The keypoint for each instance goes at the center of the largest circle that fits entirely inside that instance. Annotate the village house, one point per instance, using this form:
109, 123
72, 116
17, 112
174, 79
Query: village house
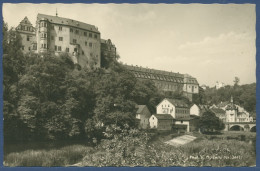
195, 110
220, 113
178, 110
232, 112
161, 122
142, 116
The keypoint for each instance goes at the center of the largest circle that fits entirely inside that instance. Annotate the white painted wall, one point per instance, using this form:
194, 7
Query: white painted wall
165, 107
153, 122
194, 110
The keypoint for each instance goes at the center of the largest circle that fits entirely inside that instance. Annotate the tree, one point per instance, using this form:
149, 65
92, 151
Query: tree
210, 123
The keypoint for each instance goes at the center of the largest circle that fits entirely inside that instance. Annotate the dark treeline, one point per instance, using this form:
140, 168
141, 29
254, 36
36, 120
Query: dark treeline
243, 95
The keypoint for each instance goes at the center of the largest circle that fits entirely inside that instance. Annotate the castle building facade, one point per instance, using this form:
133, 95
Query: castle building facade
167, 81
80, 40
27, 32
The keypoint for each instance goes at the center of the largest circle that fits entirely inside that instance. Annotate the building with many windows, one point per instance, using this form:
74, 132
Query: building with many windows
167, 81
27, 32
56, 35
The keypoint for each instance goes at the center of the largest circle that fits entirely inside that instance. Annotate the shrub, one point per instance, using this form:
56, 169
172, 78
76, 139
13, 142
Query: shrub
62, 157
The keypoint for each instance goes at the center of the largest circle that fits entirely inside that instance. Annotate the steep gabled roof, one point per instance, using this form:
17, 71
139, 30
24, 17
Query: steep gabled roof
67, 21
178, 103
26, 21
163, 116
223, 104
154, 74
218, 111
140, 108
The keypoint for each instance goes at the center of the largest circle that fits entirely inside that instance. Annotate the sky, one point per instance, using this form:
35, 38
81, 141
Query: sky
211, 42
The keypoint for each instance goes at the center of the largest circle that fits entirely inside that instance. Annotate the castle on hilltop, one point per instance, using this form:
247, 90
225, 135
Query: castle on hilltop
84, 45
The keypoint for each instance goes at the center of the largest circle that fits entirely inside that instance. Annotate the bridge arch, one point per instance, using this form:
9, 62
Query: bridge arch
253, 129
246, 127
236, 128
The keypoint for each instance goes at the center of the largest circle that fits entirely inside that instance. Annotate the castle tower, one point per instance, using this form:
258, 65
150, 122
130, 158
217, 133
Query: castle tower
231, 111
42, 35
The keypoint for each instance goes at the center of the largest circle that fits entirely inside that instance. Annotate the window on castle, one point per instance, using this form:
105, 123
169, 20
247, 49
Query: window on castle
71, 30
55, 48
90, 44
95, 36
67, 50
77, 32
59, 48
44, 35
52, 27
85, 34
82, 52
90, 35
34, 46
29, 48
45, 46
60, 28
28, 38
74, 40
60, 38
45, 24
86, 43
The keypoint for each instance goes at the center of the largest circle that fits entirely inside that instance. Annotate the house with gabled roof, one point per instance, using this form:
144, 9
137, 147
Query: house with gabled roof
178, 109
142, 116
220, 113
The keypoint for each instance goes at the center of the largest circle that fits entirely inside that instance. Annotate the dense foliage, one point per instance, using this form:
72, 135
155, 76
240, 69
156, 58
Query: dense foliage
209, 122
243, 95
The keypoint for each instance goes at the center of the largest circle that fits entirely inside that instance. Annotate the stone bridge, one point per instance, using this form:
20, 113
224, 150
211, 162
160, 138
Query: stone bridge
240, 126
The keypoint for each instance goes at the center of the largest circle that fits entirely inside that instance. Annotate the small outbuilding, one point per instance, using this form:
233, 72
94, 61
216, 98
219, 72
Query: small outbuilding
161, 122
